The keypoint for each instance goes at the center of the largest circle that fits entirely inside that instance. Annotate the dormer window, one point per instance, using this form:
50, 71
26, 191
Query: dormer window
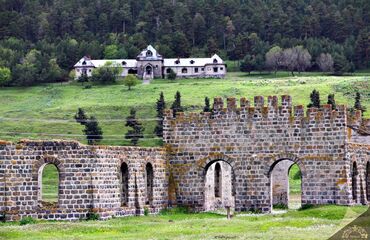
192, 61
84, 63
124, 63
149, 53
177, 61
215, 60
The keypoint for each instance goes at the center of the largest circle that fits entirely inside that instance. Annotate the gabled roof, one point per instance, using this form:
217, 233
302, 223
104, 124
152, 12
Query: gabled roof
129, 63
192, 62
84, 62
150, 53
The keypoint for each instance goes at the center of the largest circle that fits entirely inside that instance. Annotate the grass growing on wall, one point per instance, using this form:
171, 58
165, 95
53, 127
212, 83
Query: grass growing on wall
29, 110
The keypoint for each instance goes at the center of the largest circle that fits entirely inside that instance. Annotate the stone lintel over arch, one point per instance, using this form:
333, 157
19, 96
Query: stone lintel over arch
274, 159
203, 163
47, 159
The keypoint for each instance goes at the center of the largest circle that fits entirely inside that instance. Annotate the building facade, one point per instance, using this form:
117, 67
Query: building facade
150, 64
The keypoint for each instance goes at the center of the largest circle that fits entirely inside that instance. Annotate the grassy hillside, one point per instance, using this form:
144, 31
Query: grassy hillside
315, 223
46, 111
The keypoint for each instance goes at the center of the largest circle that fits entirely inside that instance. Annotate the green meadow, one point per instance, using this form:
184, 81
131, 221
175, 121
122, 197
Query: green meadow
314, 223
46, 111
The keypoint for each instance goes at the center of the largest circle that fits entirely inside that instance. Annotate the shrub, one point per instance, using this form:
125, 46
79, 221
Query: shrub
280, 206
306, 206
146, 211
91, 216
130, 81
175, 210
172, 75
27, 220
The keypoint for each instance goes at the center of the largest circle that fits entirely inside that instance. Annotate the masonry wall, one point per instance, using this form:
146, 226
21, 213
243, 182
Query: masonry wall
89, 179
252, 139
360, 155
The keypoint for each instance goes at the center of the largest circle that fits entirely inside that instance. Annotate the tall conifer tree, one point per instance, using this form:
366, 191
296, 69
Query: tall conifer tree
161, 105
137, 130
176, 105
93, 131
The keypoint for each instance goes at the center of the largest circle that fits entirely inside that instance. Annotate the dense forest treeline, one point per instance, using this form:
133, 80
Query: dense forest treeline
42, 39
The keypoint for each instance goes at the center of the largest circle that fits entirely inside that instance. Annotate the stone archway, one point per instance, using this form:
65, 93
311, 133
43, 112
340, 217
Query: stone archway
279, 169
37, 176
219, 184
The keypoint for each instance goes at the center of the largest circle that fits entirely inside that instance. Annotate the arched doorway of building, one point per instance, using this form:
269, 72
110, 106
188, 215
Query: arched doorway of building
148, 70
286, 185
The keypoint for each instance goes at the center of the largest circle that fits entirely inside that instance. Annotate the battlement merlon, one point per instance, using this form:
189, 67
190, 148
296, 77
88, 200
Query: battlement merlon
272, 109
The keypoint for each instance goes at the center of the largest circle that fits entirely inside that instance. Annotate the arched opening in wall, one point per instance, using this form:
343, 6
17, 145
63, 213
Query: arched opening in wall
218, 180
48, 185
149, 183
368, 182
219, 186
354, 182
286, 185
124, 184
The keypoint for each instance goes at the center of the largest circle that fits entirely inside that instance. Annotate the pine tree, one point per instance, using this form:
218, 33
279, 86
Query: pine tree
81, 116
207, 107
93, 131
137, 129
315, 99
161, 105
331, 101
358, 105
176, 105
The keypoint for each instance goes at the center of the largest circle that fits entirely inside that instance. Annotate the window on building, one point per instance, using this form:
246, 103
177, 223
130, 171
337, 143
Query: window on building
184, 70
168, 70
221, 68
196, 69
149, 53
78, 70
215, 60
177, 61
202, 69
84, 71
89, 70
48, 182
215, 69
84, 63
124, 63
124, 184
192, 62
149, 183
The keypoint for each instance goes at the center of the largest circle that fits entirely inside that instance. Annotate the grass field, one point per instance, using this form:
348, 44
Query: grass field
315, 223
46, 111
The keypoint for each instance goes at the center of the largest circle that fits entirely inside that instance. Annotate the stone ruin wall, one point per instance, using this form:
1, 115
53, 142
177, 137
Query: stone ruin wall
248, 141
252, 139
89, 179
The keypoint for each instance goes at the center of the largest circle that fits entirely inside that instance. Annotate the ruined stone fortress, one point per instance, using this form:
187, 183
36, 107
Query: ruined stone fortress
235, 156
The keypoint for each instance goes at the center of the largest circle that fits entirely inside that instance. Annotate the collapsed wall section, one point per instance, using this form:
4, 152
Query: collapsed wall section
89, 179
